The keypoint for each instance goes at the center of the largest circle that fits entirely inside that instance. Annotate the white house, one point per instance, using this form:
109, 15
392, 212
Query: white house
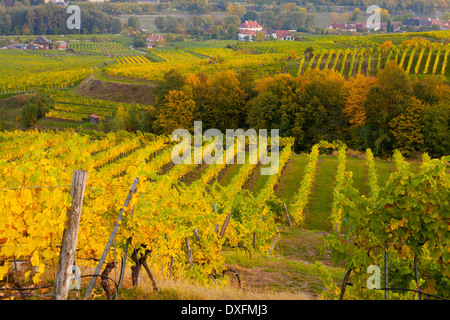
246, 35
250, 25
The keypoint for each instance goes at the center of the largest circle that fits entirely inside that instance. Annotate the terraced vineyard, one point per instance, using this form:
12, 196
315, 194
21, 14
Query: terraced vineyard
78, 108
21, 71
351, 62
106, 47
131, 60
186, 62
348, 55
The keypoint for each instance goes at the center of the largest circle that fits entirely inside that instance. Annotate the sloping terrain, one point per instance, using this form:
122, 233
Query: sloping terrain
117, 91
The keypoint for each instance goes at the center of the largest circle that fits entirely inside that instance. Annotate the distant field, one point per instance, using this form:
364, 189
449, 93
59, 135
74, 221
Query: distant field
347, 55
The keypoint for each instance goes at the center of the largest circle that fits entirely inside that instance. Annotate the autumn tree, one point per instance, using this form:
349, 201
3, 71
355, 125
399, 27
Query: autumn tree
386, 100
436, 129
35, 108
431, 90
319, 114
222, 101
357, 89
172, 80
263, 112
387, 45
355, 15
236, 9
275, 104
123, 121
177, 112
407, 128
259, 36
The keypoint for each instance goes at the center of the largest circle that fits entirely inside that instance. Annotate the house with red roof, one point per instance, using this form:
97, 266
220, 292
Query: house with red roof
248, 30
153, 39
246, 35
42, 43
250, 25
278, 34
443, 24
352, 27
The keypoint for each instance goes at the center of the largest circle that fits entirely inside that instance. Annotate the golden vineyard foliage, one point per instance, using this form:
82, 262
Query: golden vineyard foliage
406, 218
261, 65
22, 71
34, 193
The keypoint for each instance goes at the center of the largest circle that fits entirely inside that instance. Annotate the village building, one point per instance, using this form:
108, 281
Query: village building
42, 43
93, 118
153, 40
249, 29
352, 27
250, 25
246, 35
418, 22
61, 45
279, 34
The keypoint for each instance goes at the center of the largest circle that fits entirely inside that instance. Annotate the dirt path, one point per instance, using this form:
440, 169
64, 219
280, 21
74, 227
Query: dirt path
291, 269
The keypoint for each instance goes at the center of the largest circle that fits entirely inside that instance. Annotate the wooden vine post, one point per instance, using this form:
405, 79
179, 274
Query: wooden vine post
225, 225
275, 241
189, 253
70, 235
111, 237
288, 220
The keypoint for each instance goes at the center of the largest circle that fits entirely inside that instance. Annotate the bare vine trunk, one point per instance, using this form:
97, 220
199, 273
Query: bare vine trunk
105, 282
136, 269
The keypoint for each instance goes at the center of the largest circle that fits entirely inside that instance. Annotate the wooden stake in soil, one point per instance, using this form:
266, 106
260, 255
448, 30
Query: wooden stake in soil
275, 241
189, 253
124, 260
197, 237
254, 235
70, 235
111, 238
287, 215
225, 224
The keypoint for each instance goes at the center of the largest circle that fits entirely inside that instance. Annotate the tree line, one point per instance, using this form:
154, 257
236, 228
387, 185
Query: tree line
286, 17
51, 19
382, 113
205, 6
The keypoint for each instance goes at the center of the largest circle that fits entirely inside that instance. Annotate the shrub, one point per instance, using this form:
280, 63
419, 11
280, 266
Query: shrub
34, 109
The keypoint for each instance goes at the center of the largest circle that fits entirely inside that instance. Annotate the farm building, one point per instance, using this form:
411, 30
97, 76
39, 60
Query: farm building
153, 40
93, 118
278, 34
20, 46
62, 45
42, 43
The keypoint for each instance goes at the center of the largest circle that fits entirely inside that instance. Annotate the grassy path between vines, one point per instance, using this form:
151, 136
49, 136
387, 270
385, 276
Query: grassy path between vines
291, 269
